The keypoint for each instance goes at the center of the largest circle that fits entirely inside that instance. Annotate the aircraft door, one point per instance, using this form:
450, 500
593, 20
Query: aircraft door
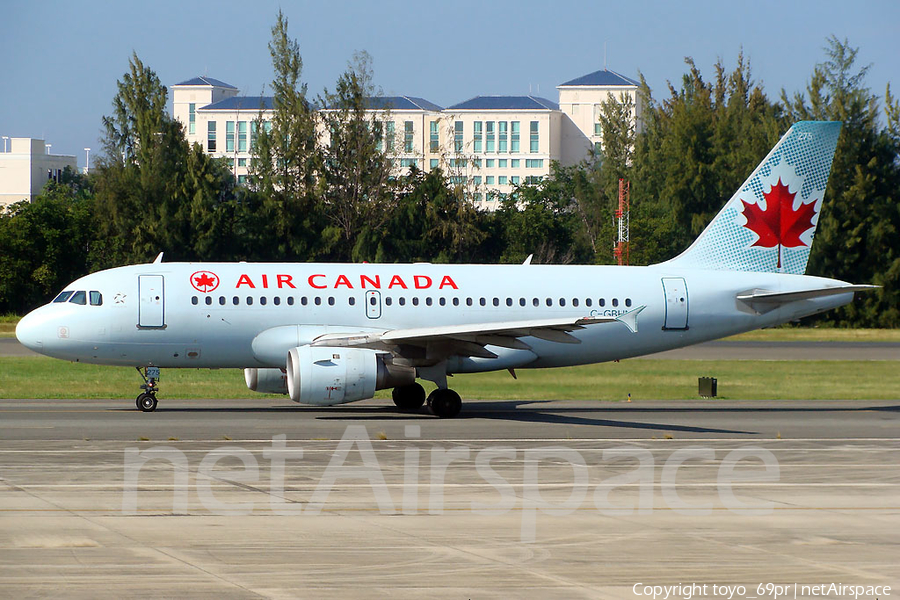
152, 303
373, 304
676, 303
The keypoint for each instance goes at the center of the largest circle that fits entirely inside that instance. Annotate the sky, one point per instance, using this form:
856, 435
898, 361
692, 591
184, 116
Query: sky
61, 60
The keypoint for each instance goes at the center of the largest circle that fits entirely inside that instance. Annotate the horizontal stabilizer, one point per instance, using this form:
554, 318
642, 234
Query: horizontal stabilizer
764, 300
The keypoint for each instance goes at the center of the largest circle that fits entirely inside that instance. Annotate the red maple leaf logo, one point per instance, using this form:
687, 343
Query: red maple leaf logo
204, 281
779, 224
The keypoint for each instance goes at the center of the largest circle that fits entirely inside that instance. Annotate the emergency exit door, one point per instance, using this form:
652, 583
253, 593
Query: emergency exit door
152, 301
676, 292
373, 304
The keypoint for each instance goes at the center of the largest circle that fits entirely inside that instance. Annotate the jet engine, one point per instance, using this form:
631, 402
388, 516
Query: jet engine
324, 376
266, 381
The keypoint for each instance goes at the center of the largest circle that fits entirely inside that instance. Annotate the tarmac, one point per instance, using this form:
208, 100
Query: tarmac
266, 499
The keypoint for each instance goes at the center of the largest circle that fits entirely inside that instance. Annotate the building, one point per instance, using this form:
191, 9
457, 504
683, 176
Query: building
489, 144
26, 166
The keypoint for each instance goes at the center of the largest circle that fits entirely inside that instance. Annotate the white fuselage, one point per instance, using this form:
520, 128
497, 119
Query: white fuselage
157, 314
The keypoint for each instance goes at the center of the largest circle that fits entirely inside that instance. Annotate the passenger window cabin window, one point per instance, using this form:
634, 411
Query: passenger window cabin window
262, 300
562, 301
509, 302
428, 301
615, 301
290, 300
96, 298
78, 298
468, 302
443, 302
276, 301
535, 302
235, 300
549, 301
330, 300
221, 300
249, 300
574, 301
456, 302
303, 300
351, 300
415, 301
496, 301
588, 302
387, 301
601, 302
195, 300
627, 301
402, 301
63, 296
209, 300
318, 301
482, 301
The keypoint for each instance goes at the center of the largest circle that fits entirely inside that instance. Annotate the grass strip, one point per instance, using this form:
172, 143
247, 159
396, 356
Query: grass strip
41, 377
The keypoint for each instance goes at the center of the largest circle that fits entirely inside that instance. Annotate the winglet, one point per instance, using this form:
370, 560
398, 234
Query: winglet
630, 318
528, 260
158, 258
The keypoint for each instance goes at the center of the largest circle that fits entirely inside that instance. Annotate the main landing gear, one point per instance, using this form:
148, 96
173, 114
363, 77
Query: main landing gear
146, 400
444, 403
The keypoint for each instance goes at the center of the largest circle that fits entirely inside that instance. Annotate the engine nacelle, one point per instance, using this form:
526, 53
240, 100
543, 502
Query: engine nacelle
324, 376
266, 381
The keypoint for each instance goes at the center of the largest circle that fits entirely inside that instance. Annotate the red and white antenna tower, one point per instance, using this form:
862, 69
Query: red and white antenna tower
623, 215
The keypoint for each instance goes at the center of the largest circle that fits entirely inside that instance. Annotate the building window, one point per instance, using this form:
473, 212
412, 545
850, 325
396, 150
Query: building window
192, 118
598, 129
514, 137
476, 181
514, 180
502, 134
229, 136
434, 140
489, 131
254, 132
242, 136
489, 180
515, 163
501, 180
535, 138
409, 162
389, 136
458, 136
242, 162
476, 137
211, 136
433, 163
407, 136
501, 163
534, 163
489, 163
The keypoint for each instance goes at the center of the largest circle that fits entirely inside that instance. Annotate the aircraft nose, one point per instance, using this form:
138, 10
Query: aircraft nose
28, 332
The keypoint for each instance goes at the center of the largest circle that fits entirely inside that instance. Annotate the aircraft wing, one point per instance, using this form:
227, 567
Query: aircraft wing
471, 339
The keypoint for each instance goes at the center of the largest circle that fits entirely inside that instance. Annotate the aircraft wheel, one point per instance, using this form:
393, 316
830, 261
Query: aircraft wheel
147, 402
409, 397
445, 404
137, 401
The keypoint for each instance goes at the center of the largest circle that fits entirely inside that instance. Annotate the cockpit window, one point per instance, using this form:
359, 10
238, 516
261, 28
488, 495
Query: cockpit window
79, 298
96, 299
63, 296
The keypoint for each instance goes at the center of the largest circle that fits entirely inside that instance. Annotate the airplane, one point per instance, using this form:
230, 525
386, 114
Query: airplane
327, 334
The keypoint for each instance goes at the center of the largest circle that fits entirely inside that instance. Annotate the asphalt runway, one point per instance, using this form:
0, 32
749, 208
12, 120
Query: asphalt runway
267, 499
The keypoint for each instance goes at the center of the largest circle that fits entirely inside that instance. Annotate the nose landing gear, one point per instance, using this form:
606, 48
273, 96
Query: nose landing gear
146, 400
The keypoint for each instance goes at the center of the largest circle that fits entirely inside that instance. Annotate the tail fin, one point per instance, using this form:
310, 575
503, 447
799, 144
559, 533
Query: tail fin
769, 224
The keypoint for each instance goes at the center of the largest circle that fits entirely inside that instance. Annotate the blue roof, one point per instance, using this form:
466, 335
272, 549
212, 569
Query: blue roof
506, 103
603, 77
206, 81
398, 103
242, 103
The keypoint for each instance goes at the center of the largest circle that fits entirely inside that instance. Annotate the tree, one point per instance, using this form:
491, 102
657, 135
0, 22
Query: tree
858, 235
356, 172
285, 161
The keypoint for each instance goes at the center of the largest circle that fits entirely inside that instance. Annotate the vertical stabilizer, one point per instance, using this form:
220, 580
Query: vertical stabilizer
769, 224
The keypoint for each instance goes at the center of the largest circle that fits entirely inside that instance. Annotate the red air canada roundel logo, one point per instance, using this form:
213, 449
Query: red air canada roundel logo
205, 281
